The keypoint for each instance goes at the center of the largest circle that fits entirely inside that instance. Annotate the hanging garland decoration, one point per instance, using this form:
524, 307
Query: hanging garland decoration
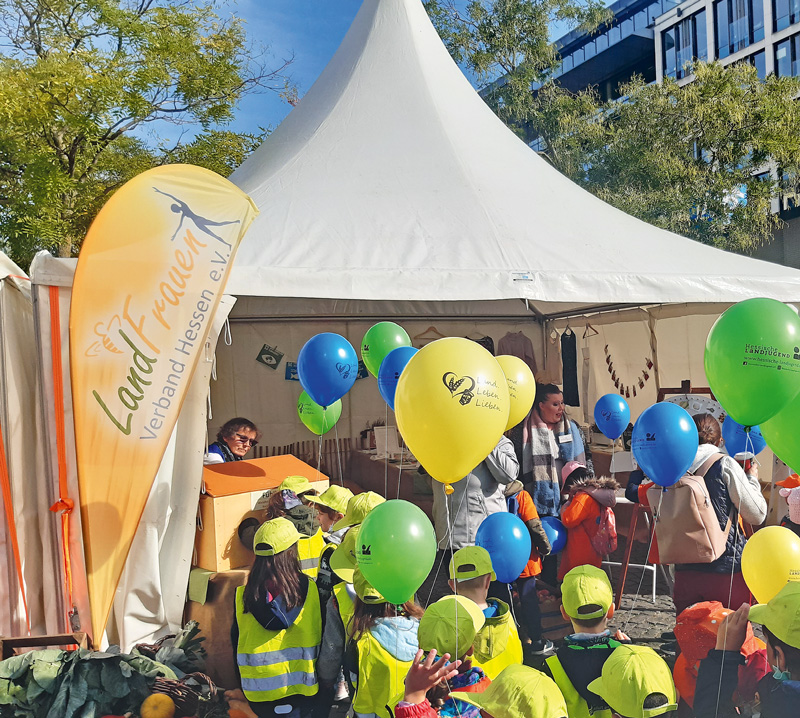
623, 388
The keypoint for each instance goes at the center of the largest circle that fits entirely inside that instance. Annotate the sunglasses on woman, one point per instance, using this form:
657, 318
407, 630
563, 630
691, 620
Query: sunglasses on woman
246, 440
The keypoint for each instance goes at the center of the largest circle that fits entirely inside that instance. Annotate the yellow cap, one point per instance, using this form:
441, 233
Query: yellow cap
471, 562
275, 536
519, 692
298, 484
357, 509
781, 615
586, 586
364, 589
334, 497
343, 559
631, 674
450, 626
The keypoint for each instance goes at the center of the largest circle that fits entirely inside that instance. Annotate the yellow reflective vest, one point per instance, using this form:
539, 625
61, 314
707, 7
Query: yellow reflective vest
497, 644
380, 678
577, 707
277, 664
309, 549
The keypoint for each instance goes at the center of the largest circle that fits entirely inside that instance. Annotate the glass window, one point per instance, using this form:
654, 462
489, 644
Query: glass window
738, 23
601, 42
684, 43
566, 63
785, 13
627, 26
614, 35
786, 57
759, 61
701, 43
589, 50
640, 21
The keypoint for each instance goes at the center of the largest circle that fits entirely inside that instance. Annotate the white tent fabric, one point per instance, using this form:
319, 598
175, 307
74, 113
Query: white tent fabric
393, 180
152, 591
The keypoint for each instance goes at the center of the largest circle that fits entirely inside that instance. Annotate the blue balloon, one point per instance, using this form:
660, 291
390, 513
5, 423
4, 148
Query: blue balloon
508, 542
391, 368
664, 442
612, 415
556, 533
327, 367
737, 441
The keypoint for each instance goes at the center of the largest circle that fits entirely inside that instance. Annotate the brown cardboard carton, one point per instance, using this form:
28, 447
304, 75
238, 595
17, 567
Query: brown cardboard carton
234, 491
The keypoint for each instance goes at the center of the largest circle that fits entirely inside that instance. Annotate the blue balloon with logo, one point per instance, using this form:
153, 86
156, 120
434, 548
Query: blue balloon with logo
508, 542
390, 370
612, 415
740, 439
556, 533
327, 367
664, 442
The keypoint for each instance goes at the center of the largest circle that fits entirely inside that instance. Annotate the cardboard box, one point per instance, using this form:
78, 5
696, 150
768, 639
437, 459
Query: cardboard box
234, 491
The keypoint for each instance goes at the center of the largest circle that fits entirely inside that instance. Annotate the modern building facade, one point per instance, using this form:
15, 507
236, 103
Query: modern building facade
661, 38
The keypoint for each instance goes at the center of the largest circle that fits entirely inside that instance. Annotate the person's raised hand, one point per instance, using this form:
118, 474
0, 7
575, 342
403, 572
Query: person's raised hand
733, 630
424, 675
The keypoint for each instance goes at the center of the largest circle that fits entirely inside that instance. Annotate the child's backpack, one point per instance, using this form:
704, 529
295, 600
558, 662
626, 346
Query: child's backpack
604, 539
686, 525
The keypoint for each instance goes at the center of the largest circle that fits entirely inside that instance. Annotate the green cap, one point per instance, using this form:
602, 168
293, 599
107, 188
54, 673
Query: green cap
343, 559
630, 674
275, 536
519, 692
471, 562
334, 497
364, 589
357, 509
781, 615
586, 586
450, 626
298, 484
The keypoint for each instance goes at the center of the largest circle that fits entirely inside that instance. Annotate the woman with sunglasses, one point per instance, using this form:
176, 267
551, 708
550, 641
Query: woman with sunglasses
234, 440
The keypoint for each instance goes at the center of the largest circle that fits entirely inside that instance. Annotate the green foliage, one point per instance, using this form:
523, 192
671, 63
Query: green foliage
674, 156
82, 79
75, 684
506, 45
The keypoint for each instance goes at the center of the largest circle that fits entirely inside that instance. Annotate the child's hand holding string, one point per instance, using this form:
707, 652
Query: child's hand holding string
733, 630
424, 675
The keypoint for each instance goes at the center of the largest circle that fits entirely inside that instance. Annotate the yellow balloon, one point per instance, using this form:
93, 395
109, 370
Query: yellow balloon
521, 388
771, 558
452, 406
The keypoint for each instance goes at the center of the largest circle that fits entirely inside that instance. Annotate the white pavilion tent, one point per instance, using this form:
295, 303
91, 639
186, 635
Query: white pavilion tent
393, 192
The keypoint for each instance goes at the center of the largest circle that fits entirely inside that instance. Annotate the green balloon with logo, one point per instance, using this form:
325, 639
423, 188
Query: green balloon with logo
752, 359
396, 549
380, 339
318, 420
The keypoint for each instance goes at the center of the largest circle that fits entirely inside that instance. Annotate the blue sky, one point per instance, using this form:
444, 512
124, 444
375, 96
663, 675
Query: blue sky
311, 30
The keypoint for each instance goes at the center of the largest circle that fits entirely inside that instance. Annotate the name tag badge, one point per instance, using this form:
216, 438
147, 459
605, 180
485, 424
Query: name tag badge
565, 439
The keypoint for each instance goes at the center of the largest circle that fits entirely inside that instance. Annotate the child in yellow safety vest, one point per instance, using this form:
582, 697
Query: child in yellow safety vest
497, 644
518, 692
588, 603
449, 627
376, 647
278, 627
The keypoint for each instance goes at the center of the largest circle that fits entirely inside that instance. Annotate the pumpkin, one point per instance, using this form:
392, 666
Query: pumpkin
157, 705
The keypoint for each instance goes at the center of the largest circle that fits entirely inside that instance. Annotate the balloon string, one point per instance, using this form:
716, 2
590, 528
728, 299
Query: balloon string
647, 557
400, 469
449, 533
730, 591
386, 454
319, 456
339, 455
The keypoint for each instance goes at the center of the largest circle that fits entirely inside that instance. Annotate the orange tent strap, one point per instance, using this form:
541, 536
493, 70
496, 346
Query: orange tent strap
64, 504
5, 484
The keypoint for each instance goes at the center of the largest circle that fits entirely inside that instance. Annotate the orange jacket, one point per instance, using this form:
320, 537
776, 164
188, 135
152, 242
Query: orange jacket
528, 512
577, 516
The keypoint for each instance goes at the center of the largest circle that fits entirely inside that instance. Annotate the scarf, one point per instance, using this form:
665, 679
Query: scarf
462, 682
540, 451
227, 454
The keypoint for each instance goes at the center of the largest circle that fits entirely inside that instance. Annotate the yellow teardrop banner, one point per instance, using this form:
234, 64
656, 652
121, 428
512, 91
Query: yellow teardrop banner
150, 275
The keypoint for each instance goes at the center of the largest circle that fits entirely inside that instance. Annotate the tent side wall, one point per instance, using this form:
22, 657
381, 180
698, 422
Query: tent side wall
151, 594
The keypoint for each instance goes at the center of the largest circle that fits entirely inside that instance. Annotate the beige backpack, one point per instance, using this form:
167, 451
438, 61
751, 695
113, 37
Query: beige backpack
686, 525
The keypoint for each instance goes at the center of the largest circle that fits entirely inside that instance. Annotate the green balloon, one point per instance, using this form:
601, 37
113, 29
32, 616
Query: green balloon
317, 419
396, 549
780, 433
752, 359
379, 340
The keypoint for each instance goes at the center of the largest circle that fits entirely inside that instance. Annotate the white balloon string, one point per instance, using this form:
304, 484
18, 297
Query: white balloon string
339, 454
400, 469
386, 454
656, 514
